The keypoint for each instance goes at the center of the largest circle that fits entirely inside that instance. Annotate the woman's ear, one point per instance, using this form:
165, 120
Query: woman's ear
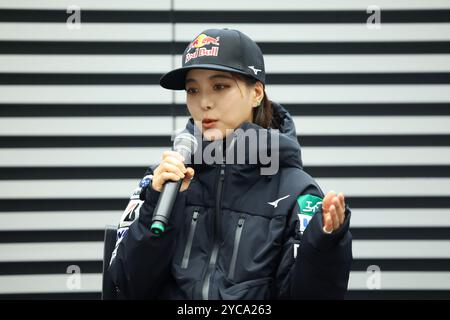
258, 94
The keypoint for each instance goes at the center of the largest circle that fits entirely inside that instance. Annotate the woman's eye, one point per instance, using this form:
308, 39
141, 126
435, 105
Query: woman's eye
191, 90
220, 86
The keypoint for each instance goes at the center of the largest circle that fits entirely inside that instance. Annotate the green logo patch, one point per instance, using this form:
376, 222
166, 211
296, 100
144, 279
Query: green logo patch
309, 204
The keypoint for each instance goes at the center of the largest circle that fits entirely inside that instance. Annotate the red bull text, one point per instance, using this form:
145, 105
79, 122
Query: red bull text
201, 41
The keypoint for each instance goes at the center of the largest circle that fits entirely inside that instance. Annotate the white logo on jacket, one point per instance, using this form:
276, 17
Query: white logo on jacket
275, 203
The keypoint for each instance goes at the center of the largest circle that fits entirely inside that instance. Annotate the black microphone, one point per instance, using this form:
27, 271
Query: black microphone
185, 144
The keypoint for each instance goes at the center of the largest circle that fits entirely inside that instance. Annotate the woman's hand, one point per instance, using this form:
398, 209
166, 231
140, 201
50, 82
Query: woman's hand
172, 168
333, 211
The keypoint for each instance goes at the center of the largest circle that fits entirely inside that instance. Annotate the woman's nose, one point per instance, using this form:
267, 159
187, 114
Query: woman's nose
206, 103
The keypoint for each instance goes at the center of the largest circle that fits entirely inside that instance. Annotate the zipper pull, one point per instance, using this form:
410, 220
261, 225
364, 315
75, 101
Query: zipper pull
195, 215
241, 222
222, 172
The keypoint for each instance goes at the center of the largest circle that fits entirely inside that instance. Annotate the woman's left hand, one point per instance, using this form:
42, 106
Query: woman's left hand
333, 211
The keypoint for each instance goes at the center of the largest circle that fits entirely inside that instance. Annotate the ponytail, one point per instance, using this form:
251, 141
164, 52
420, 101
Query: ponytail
263, 114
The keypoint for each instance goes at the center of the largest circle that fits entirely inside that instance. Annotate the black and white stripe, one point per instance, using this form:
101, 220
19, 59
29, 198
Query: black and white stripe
82, 116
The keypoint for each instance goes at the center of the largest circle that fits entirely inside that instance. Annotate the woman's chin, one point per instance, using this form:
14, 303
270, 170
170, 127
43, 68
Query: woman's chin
213, 134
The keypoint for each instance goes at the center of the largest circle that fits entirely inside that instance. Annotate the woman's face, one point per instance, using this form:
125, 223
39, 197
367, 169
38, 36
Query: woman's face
219, 102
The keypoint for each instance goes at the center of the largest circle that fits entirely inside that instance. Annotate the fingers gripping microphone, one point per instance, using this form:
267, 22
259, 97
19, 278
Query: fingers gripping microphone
185, 144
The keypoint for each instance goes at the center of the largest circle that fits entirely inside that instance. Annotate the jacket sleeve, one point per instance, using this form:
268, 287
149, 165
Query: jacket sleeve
140, 264
314, 264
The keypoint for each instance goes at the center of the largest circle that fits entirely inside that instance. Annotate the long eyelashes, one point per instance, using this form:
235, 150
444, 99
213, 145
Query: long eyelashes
216, 87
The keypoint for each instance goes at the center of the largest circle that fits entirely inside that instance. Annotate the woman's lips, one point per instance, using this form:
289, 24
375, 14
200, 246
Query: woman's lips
209, 123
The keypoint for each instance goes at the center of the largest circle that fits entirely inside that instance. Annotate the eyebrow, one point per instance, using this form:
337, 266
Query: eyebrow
214, 76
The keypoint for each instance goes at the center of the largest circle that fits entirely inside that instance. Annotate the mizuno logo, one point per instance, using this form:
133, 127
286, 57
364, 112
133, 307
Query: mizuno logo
275, 203
254, 69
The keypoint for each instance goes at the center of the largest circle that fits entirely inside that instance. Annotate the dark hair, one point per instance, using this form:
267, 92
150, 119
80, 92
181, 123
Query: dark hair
264, 114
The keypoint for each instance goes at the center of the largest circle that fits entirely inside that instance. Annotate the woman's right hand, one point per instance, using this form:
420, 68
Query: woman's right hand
172, 168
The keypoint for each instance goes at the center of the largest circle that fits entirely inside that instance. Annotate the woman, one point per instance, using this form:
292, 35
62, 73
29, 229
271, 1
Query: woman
234, 232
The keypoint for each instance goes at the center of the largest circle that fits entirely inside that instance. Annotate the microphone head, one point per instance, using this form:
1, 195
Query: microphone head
185, 144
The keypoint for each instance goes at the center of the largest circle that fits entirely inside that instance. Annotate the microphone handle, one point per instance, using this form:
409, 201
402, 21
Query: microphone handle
164, 206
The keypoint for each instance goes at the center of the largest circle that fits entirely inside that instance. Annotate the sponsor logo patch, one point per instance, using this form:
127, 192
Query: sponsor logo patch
308, 205
145, 181
131, 213
198, 45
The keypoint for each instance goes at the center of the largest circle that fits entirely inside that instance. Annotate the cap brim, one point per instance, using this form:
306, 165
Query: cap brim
175, 79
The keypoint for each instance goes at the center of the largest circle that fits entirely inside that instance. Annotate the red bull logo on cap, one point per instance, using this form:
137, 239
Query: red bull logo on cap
199, 42
203, 40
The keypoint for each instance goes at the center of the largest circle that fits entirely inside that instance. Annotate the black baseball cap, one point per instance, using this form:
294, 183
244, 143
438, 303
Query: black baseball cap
218, 49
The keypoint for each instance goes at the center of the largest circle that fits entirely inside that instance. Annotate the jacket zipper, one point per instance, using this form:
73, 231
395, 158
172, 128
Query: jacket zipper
187, 250
237, 240
215, 251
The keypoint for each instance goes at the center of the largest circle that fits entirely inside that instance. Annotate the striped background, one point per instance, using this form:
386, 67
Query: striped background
82, 116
